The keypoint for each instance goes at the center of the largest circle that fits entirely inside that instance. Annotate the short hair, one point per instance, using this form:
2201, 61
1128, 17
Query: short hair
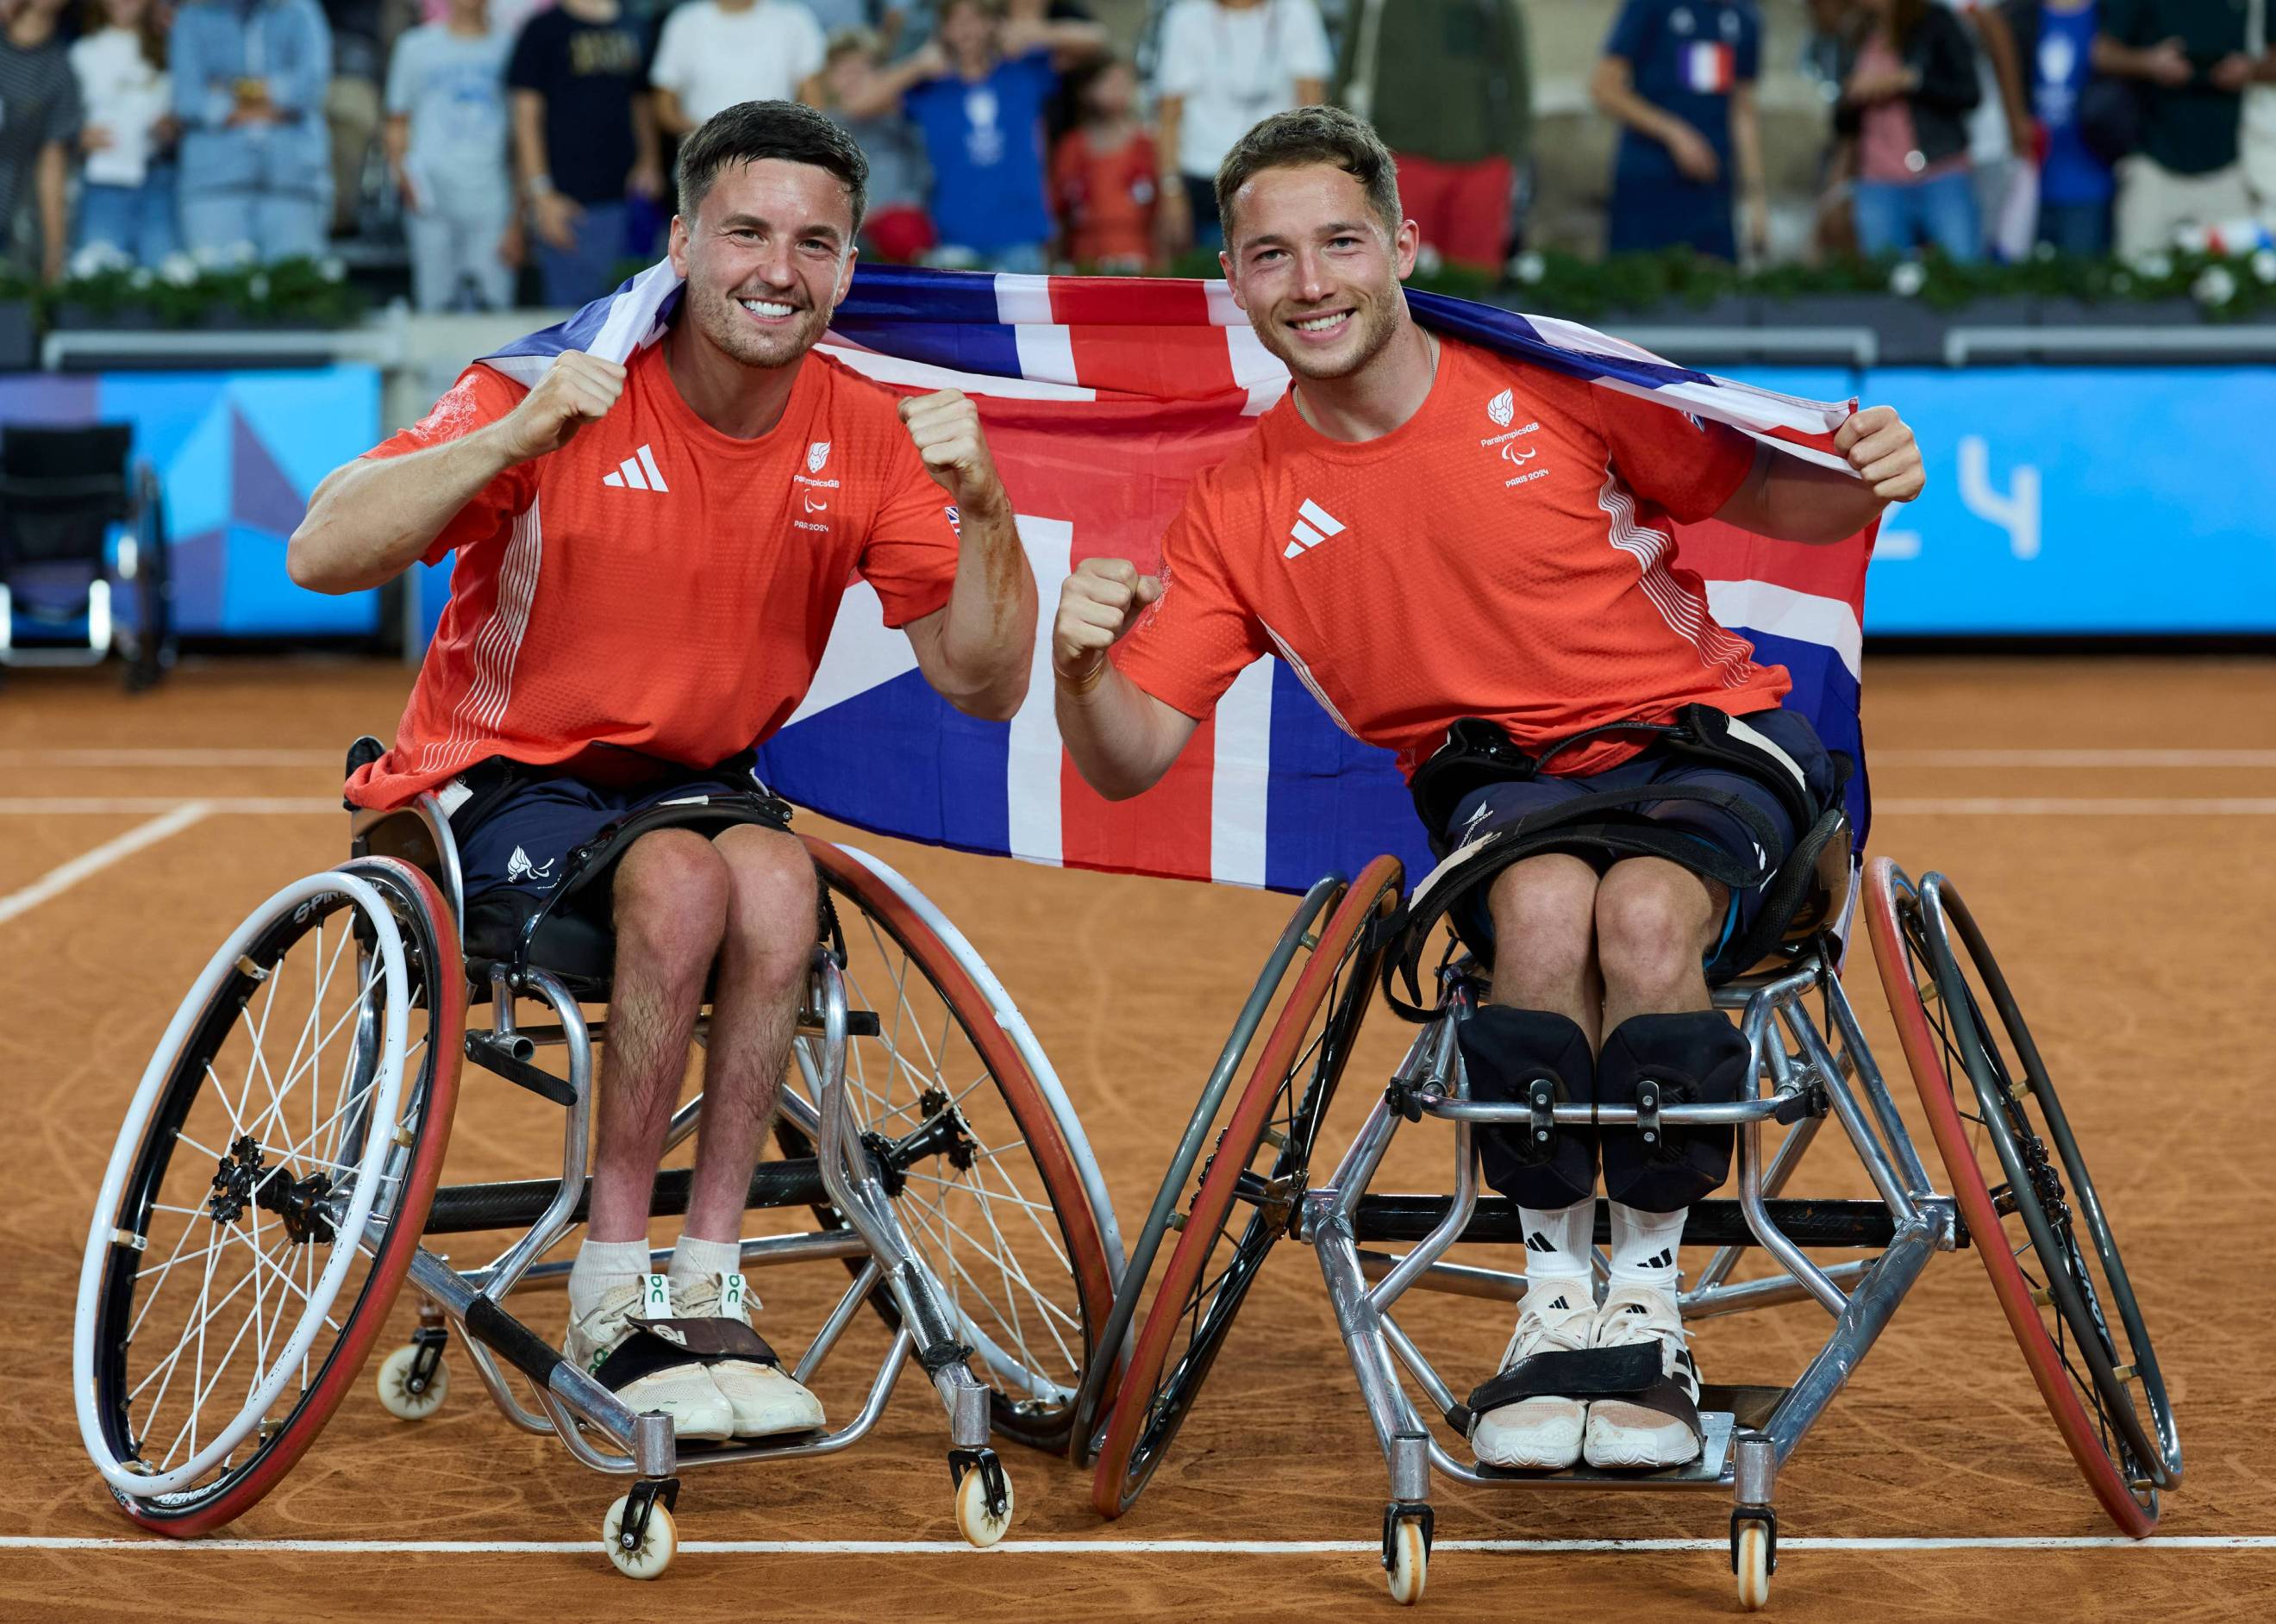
852, 42
751, 131
1304, 135
992, 10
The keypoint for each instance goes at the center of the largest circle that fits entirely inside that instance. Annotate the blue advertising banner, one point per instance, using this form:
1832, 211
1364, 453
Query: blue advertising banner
236, 455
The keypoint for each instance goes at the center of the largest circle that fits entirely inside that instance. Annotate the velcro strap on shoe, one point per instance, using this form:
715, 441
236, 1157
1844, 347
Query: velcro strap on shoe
1573, 1373
1666, 1397
671, 1344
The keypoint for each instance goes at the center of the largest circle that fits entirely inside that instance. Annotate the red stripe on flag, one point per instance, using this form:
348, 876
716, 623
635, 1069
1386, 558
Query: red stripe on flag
1714, 551
1163, 832
1129, 302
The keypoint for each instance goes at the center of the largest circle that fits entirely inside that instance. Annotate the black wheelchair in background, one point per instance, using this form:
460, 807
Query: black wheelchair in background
84, 569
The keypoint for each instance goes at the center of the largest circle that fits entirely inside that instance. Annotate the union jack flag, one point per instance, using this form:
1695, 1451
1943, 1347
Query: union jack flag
1102, 399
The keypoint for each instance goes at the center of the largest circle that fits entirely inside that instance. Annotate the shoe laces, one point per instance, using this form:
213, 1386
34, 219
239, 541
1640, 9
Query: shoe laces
1545, 1326
607, 1324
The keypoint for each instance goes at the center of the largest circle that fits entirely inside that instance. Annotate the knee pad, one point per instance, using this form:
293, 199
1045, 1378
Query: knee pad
1505, 1051
1694, 1060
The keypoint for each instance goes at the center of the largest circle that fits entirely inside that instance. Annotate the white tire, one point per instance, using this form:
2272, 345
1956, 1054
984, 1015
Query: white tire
1410, 1563
1754, 1564
980, 1527
656, 1549
394, 1385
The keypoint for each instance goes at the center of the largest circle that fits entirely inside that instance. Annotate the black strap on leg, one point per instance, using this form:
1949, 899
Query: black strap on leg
1653, 1062
1536, 1057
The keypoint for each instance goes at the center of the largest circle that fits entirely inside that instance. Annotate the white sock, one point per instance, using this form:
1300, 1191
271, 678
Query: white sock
701, 1262
1643, 1248
1557, 1244
600, 1267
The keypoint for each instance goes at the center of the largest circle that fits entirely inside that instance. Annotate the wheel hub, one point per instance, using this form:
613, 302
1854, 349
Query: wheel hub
235, 1180
302, 1205
943, 1132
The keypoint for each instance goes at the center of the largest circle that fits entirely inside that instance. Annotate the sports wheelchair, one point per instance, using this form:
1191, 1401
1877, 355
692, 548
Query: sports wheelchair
279, 1178
84, 572
2020, 1196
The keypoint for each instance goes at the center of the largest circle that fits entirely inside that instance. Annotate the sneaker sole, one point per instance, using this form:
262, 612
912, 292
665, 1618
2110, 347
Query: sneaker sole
1626, 1437
1504, 1447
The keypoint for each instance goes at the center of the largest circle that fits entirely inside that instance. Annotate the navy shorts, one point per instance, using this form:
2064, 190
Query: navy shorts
1711, 826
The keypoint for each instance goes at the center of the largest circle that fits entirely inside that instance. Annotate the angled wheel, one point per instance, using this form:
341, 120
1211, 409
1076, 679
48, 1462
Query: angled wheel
1002, 1203
2024, 1190
266, 1192
1218, 1255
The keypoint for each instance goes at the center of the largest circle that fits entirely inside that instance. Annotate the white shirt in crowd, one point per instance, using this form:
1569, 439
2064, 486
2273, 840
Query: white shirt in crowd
126, 96
1233, 68
712, 58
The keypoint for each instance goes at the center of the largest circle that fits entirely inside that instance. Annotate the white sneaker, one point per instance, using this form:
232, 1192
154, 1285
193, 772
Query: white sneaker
1659, 1428
765, 1398
1545, 1433
685, 1391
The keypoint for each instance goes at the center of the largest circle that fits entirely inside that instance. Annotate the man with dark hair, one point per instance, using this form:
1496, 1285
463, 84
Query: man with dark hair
1507, 529
651, 557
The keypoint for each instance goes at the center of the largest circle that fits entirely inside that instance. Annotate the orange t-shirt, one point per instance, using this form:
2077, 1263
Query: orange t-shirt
1105, 199
1507, 553
655, 584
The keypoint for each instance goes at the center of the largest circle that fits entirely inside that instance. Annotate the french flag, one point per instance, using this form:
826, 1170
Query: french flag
1103, 398
1711, 67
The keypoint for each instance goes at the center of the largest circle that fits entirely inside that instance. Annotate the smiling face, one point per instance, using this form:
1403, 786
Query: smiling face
768, 257
1313, 265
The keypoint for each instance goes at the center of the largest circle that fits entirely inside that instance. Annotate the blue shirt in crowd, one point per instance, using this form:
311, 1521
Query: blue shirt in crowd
287, 46
1686, 57
2072, 173
985, 138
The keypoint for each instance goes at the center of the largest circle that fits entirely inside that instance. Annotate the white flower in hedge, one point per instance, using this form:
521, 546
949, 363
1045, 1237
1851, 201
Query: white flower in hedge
1907, 278
331, 269
1530, 267
257, 284
139, 278
2152, 267
96, 258
2264, 265
2214, 286
178, 269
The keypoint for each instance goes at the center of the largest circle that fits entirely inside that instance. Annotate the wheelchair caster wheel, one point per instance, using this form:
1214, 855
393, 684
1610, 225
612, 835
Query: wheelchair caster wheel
1410, 1563
657, 1544
1750, 1560
982, 1517
397, 1373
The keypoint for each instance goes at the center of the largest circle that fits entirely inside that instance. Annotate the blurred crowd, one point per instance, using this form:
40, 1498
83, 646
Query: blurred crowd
524, 146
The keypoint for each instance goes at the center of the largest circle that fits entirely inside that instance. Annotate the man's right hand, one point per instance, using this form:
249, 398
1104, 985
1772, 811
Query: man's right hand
555, 218
576, 390
2168, 62
1692, 155
1098, 603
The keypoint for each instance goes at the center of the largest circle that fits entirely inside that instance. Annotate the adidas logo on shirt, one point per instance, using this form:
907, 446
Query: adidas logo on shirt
637, 472
1315, 527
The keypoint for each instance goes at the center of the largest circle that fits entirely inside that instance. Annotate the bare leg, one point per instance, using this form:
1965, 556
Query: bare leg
1544, 939
670, 900
768, 946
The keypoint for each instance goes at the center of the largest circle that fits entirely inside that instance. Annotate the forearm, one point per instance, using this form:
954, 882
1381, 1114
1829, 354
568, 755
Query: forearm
883, 92
1168, 118
370, 519
1795, 501
2122, 61
988, 633
647, 143
1747, 142
1120, 738
55, 219
1617, 99
529, 161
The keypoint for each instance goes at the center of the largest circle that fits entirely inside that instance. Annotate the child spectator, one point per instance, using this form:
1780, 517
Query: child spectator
715, 53
39, 118
1679, 75
1102, 178
584, 136
127, 187
896, 230
249, 85
446, 143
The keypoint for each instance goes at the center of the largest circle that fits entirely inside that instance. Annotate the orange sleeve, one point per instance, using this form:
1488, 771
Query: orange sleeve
1688, 467
478, 398
910, 553
1199, 635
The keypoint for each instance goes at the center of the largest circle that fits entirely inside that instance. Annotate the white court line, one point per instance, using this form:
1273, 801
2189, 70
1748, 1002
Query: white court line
171, 758
92, 806
1132, 1547
64, 876
2084, 805
2074, 758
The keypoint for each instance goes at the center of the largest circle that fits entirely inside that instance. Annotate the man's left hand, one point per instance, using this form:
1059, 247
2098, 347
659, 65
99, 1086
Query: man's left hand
946, 429
1880, 447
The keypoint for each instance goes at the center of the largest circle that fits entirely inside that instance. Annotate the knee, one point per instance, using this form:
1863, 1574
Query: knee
1650, 929
771, 909
1544, 916
671, 898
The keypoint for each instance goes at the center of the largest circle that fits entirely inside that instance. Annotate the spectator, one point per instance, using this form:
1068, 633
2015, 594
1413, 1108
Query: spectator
1679, 75
446, 143
2191, 59
977, 91
126, 188
1104, 177
2055, 41
895, 230
715, 53
250, 78
352, 102
584, 137
2001, 138
39, 118
1225, 65
1908, 82
1448, 87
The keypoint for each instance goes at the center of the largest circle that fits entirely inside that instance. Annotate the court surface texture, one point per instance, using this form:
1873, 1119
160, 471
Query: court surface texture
2112, 823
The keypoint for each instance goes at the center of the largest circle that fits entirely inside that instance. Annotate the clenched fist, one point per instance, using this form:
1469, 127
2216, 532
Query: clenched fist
1098, 603
578, 389
946, 429
1881, 448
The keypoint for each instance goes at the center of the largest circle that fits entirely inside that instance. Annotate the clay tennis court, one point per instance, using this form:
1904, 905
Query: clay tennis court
2112, 823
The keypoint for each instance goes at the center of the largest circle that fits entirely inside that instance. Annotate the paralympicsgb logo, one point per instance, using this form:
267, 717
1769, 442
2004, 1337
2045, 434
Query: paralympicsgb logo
816, 454
1502, 407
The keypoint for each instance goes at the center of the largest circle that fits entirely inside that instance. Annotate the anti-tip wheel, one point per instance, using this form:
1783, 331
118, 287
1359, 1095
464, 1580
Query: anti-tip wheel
1410, 1562
656, 1549
394, 1385
981, 1527
1751, 1557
